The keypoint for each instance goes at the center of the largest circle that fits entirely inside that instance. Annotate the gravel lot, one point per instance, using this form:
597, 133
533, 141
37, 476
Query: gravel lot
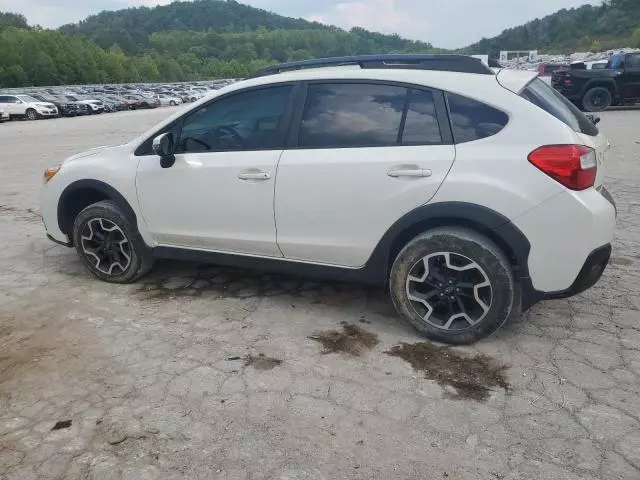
204, 372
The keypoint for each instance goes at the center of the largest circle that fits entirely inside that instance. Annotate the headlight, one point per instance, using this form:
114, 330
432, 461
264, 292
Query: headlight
49, 173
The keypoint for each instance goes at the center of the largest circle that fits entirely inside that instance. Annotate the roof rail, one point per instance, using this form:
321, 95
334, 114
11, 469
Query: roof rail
446, 63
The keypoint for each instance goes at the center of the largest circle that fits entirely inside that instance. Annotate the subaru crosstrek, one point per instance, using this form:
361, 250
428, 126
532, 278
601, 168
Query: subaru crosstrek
470, 194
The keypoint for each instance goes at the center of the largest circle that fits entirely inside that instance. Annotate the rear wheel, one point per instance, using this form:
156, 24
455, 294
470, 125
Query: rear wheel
453, 285
108, 244
597, 99
32, 114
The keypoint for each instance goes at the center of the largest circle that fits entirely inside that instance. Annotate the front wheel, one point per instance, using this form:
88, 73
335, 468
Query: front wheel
597, 99
172, 103
32, 114
109, 245
453, 285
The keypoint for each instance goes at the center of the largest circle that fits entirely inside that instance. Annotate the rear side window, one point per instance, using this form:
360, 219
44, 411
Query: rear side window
552, 102
472, 120
367, 115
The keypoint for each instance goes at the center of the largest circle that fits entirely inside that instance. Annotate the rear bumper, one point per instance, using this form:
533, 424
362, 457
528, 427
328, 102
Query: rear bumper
589, 275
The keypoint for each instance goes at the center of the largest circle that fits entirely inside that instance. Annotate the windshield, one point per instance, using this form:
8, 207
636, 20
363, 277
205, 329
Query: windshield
551, 101
28, 99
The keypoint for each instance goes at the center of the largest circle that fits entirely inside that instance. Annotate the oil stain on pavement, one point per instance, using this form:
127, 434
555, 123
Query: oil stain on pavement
352, 340
472, 378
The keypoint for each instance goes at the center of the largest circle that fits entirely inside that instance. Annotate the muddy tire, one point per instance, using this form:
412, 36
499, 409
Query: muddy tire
597, 99
109, 246
453, 285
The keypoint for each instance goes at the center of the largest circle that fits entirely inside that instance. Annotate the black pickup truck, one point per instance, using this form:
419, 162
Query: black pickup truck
595, 90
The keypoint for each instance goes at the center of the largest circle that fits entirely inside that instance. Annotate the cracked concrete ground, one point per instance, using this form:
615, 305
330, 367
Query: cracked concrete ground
205, 372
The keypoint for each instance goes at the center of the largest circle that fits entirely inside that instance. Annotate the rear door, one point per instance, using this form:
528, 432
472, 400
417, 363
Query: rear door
360, 156
631, 86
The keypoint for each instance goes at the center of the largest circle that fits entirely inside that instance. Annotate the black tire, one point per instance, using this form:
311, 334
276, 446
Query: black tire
462, 246
172, 103
32, 114
597, 99
140, 259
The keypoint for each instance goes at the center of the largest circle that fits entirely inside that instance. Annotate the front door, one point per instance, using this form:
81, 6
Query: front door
365, 155
12, 105
632, 76
219, 193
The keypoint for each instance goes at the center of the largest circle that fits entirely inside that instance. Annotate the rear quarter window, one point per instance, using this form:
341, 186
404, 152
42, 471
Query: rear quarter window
554, 103
472, 120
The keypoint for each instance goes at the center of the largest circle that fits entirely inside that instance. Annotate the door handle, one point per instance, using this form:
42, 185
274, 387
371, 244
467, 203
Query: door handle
409, 172
254, 175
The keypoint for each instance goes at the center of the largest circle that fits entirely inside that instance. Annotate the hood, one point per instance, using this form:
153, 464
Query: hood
88, 153
45, 105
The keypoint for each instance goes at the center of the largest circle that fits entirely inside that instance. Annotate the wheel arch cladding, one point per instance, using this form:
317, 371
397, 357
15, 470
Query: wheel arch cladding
82, 193
483, 220
607, 84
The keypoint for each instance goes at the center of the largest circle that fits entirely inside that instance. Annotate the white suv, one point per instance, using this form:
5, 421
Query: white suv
471, 195
26, 106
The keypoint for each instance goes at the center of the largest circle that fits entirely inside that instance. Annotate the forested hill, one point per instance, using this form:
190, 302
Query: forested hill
613, 24
182, 41
132, 29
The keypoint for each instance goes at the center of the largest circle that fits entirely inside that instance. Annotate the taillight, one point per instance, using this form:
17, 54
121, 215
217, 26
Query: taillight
574, 166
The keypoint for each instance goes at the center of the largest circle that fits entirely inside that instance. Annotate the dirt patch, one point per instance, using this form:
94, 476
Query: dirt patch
28, 215
622, 261
261, 362
352, 340
472, 378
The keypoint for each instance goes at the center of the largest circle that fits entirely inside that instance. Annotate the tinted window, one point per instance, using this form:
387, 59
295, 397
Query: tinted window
349, 115
633, 61
246, 121
547, 98
4, 99
472, 120
421, 125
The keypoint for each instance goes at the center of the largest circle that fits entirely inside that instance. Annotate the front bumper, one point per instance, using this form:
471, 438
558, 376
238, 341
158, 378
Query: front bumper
48, 112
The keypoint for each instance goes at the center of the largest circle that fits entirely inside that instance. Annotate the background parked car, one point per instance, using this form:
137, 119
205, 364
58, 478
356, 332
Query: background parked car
166, 100
141, 102
25, 106
65, 108
545, 71
94, 106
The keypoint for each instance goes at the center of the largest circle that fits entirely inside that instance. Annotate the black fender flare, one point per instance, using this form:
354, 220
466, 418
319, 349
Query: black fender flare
104, 188
482, 219
600, 82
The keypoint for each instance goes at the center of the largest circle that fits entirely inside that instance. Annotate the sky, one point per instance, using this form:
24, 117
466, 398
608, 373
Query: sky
443, 23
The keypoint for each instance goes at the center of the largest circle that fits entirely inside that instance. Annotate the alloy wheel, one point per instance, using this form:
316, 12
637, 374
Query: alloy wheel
105, 246
449, 291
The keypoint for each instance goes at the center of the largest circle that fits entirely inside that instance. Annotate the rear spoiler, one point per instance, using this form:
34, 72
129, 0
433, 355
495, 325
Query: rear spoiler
516, 80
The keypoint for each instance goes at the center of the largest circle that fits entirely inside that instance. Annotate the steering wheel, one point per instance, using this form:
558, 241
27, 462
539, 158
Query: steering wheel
231, 131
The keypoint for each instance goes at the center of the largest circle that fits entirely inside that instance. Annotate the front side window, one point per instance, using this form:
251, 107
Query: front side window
472, 120
367, 115
246, 121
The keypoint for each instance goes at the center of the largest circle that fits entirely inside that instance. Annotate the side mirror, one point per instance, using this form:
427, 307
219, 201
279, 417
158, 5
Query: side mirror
163, 146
